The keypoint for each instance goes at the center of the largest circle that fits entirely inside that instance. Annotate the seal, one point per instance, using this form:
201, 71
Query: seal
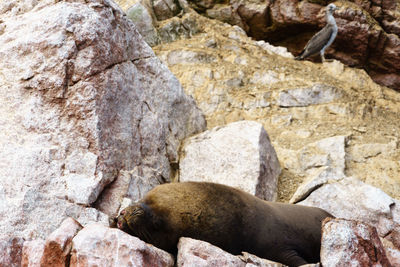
228, 218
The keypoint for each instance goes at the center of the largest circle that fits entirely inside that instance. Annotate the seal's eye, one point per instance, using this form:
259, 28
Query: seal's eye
123, 212
137, 211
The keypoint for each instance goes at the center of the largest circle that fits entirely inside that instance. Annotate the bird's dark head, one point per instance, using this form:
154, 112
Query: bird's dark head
331, 8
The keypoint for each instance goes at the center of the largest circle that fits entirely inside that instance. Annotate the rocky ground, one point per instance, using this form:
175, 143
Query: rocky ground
93, 119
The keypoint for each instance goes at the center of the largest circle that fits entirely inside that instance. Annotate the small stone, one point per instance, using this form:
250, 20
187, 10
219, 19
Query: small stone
281, 120
211, 43
165, 9
302, 97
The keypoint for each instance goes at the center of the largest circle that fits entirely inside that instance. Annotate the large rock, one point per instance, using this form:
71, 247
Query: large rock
239, 154
83, 99
103, 246
352, 199
351, 243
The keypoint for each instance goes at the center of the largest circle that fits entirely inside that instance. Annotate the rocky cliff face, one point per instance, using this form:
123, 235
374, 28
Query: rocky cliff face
368, 36
84, 99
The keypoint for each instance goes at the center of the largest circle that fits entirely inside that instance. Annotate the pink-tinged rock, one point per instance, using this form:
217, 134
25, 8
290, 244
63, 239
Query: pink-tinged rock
254, 261
32, 253
97, 245
192, 252
89, 101
11, 251
351, 243
392, 252
355, 200
391, 243
59, 243
198, 253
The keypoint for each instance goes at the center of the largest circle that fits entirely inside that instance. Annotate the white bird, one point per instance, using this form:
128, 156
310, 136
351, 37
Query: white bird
322, 39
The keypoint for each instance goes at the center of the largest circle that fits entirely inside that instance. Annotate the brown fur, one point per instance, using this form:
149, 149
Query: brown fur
228, 218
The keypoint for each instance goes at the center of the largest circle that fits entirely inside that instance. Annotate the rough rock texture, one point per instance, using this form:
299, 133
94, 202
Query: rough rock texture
318, 162
239, 154
96, 245
193, 252
368, 37
198, 253
351, 243
253, 261
352, 199
83, 98
58, 244
11, 251
392, 252
157, 22
32, 253
391, 243
90, 100
302, 97
165, 9
143, 20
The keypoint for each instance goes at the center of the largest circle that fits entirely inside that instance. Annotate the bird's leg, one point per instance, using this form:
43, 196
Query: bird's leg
322, 56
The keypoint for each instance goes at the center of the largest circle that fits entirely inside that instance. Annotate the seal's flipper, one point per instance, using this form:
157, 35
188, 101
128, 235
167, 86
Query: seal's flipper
292, 258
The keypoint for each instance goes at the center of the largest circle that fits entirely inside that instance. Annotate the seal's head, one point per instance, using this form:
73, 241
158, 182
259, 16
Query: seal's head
135, 220
131, 218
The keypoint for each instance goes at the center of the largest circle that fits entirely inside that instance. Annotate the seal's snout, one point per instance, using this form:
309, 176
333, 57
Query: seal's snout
112, 222
120, 225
